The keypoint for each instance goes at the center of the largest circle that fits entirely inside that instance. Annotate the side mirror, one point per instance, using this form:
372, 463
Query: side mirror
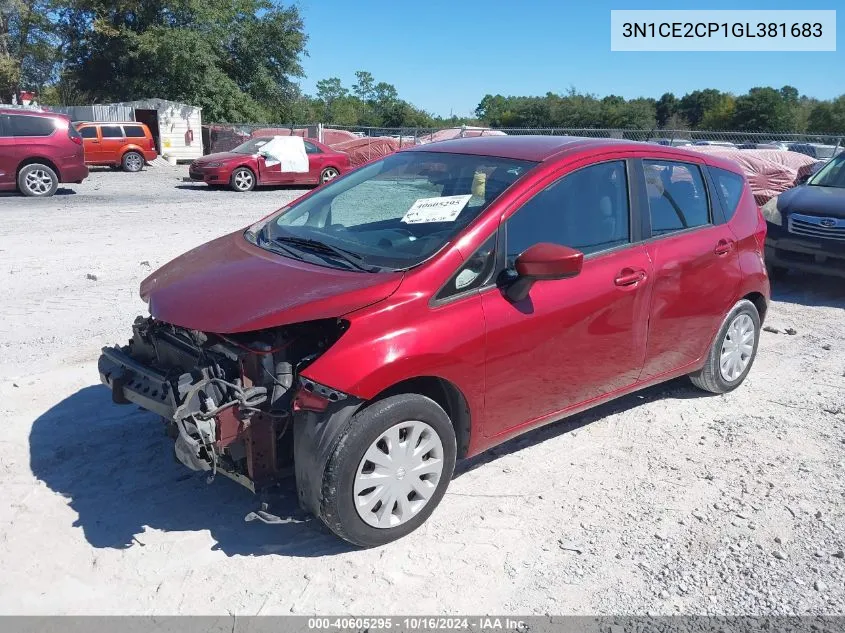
542, 262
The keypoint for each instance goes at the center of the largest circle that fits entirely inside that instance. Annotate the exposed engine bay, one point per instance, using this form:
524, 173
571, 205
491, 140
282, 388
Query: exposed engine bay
227, 400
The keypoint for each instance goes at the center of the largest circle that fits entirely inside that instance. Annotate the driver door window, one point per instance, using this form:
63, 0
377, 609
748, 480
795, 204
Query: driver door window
586, 210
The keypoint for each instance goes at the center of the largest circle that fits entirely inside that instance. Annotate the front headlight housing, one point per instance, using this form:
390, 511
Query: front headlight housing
213, 165
771, 212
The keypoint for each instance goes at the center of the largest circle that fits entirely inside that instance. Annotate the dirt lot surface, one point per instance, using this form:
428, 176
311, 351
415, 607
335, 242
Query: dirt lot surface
664, 502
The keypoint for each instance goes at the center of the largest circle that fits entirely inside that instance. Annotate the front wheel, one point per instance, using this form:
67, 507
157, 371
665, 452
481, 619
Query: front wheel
733, 352
37, 181
389, 470
242, 180
329, 173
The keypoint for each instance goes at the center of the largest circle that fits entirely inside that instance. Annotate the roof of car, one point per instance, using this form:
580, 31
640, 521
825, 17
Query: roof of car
108, 123
535, 148
33, 112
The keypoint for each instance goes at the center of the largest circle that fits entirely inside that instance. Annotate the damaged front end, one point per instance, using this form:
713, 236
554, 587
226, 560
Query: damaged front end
227, 400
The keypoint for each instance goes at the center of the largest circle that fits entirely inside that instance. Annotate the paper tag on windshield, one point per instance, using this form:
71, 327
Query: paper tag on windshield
443, 209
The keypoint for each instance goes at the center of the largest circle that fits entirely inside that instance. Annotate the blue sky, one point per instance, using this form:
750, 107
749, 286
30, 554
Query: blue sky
445, 55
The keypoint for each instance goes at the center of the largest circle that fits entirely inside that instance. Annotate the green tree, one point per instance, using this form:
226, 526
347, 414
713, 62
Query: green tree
720, 115
29, 45
666, 106
828, 117
693, 105
763, 109
364, 87
235, 58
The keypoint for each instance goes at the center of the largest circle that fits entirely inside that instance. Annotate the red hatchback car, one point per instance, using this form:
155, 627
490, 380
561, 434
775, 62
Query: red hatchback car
244, 168
435, 303
39, 150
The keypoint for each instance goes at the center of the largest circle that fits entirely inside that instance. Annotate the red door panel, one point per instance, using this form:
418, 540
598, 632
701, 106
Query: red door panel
9, 154
696, 279
570, 341
91, 143
112, 142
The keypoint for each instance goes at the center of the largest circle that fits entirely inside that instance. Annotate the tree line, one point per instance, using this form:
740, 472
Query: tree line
761, 109
240, 61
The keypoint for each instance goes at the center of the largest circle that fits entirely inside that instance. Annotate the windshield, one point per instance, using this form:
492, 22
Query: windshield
252, 146
393, 213
831, 175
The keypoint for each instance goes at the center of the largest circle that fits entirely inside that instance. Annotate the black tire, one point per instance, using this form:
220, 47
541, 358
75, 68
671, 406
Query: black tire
37, 181
777, 273
329, 174
132, 162
338, 509
710, 377
242, 180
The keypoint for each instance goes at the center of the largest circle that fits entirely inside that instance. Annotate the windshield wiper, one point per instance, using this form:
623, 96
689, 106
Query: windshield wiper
349, 257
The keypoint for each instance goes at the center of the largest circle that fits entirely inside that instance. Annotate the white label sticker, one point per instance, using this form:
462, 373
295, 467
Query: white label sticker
443, 209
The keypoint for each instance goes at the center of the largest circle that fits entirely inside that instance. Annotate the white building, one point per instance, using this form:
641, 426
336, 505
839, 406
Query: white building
176, 127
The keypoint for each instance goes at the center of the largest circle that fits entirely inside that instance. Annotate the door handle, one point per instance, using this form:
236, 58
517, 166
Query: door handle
629, 277
723, 247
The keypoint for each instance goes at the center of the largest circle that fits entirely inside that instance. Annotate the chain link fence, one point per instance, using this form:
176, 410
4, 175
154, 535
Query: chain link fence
366, 143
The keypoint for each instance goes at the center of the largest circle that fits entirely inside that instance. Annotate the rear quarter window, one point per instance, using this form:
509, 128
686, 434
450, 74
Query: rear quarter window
729, 187
23, 125
88, 132
134, 131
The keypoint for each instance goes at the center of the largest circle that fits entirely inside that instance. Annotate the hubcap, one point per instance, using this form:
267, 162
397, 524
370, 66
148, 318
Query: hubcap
329, 174
398, 474
133, 162
38, 181
243, 180
737, 347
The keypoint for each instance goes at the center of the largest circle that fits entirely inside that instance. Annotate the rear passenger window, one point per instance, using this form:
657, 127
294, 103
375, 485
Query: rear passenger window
729, 187
111, 131
88, 132
134, 131
310, 148
677, 197
586, 210
22, 125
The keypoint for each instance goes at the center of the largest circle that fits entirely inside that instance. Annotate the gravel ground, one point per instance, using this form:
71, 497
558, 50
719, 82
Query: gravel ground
664, 502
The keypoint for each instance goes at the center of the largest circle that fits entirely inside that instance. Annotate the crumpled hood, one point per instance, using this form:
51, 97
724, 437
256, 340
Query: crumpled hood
229, 285
813, 200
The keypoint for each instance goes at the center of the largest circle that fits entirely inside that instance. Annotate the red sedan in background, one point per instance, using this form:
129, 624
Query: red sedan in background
244, 168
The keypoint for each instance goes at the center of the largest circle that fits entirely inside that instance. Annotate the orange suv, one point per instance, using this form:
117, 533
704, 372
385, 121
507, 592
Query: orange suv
126, 145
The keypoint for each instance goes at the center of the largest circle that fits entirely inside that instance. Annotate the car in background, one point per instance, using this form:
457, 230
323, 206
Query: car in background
806, 225
816, 150
759, 146
127, 145
716, 144
244, 168
671, 142
437, 302
781, 145
39, 150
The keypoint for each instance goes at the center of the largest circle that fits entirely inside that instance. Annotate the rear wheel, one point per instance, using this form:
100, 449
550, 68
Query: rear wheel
242, 180
37, 181
733, 352
389, 470
132, 162
329, 173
